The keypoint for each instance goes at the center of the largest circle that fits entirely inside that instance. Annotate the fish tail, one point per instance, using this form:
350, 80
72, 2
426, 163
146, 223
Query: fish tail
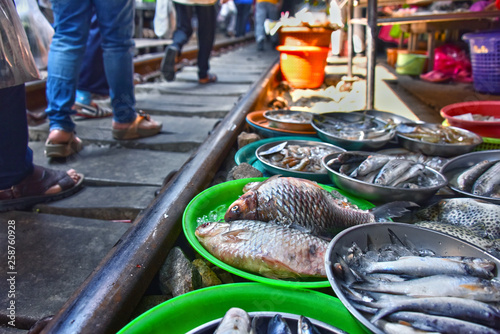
392, 209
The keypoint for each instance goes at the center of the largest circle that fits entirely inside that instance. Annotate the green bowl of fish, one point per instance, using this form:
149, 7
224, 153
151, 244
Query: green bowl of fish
211, 206
192, 311
436, 139
408, 274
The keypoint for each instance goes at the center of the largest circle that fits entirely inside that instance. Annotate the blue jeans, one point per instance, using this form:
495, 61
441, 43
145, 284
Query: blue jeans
206, 16
264, 10
242, 16
16, 158
71, 24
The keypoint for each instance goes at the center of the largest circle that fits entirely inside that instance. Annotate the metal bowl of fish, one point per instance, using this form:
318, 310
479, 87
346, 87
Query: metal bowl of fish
436, 139
475, 174
353, 130
265, 322
387, 274
383, 178
289, 119
297, 158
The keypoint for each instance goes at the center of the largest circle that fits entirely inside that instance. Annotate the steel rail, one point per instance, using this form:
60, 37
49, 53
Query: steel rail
105, 301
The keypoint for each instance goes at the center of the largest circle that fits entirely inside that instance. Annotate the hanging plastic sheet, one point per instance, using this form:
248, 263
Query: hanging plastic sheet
17, 65
38, 30
165, 18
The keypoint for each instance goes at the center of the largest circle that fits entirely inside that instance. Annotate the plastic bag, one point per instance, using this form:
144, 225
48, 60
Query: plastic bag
450, 60
38, 30
16, 62
165, 20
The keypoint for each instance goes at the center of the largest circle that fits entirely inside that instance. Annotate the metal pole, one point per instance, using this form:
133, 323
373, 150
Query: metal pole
105, 301
349, 39
371, 54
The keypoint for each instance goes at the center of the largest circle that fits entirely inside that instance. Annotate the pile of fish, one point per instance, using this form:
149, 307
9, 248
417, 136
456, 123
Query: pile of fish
238, 321
397, 284
289, 116
482, 179
280, 227
434, 162
366, 128
299, 158
383, 170
468, 219
435, 133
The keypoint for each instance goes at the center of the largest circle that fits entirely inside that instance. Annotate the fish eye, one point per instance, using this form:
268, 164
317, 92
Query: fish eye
205, 224
235, 208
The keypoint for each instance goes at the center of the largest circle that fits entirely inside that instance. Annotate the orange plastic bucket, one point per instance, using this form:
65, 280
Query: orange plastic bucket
303, 66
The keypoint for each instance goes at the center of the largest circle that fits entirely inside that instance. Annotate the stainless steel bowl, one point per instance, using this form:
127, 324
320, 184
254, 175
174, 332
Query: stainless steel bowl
321, 124
264, 318
453, 168
442, 150
383, 194
284, 119
387, 116
440, 243
319, 177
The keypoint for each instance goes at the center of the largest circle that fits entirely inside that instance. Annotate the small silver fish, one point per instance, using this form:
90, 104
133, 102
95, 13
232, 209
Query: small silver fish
269, 249
412, 172
235, 321
466, 179
391, 171
372, 163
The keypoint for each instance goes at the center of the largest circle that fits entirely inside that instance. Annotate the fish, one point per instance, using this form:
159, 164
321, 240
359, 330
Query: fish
468, 234
268, 249
235, 321
372, 163
487, 183
278, 325
460, 308
465, 180
413, 171
420, 266
440, 324
439, 286
305, 326
391, 171
304, 204
464, 212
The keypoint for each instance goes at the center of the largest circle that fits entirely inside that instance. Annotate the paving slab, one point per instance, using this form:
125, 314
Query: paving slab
186, 88
53, 256
106, 203
179, 134
114, 166
222, 76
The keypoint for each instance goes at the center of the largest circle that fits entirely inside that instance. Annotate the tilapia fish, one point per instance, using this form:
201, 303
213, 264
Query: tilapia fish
235, 321
465, 212
304, 204
269, 249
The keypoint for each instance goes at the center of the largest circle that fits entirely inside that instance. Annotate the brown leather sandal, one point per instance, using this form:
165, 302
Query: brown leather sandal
134, 131
208, 79
32, 189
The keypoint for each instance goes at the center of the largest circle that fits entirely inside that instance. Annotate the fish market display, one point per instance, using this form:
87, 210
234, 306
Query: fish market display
482, 179
269, 249
434, 162
304, 204
299, 158
384, 170
360, 128
398, 283
238, 321
435, 133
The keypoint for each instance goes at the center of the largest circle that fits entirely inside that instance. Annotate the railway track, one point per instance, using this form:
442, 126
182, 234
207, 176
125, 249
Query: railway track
109, 240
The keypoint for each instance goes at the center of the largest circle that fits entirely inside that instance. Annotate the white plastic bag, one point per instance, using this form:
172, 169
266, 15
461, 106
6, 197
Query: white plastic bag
38, 30
164, 20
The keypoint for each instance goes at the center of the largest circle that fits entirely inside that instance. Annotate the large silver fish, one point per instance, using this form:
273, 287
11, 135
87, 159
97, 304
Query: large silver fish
488, 182
466, 179
235, 321
392, 171
464, 212
439, 286
303, 203
269, 249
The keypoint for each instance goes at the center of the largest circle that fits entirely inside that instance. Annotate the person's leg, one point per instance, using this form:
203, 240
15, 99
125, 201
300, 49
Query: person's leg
92, 78
206, 34
16, 158
71, 25
260, 17
274, 15
243, 12
181, 36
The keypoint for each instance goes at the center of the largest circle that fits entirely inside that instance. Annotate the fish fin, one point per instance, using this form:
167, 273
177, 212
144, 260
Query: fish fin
479, 229
236, 235
392, 209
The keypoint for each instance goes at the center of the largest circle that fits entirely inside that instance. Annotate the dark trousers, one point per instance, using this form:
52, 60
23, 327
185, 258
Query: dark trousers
16, 158
242, 18
206, 16
92, 77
